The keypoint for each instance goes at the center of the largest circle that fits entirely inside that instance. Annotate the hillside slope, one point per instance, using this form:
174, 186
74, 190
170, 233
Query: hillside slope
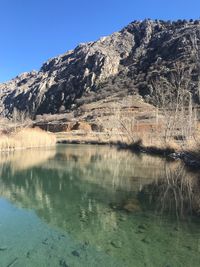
147, 58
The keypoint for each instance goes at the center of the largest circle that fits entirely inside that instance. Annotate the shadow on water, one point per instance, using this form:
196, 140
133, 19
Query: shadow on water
136, 209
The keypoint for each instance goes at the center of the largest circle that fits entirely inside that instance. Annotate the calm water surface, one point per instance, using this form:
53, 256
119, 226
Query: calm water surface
81, 205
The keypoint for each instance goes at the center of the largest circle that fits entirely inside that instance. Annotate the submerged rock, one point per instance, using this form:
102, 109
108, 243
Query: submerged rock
116, 243
142, 226
63, 263
122, 218
146, 240
132, 205
45, 241
141, 229
3, 248
12, 263
75, 253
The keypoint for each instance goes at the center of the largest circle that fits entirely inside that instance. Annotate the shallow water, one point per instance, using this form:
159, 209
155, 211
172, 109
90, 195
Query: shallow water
81, 205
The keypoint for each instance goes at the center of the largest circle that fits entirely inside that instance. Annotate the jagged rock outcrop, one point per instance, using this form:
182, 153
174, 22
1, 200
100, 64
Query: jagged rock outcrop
139, 59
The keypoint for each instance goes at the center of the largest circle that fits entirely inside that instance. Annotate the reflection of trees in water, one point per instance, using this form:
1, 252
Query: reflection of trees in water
73, 190
177, 194
44, 180
41, 179
70, 204
101, 165
107, 166
53, 184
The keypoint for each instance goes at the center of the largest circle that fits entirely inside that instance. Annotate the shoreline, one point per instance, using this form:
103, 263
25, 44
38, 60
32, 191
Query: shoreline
186, 157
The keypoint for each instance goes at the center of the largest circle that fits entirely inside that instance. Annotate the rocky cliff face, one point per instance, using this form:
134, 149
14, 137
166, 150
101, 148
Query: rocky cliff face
140, 59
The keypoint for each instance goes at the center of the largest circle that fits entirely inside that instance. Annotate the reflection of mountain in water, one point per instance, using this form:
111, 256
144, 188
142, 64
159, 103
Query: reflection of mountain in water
108, 167
80, 189
73, 178
52, 181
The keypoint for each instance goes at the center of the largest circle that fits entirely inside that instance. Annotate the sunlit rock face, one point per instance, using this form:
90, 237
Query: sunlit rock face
130, 61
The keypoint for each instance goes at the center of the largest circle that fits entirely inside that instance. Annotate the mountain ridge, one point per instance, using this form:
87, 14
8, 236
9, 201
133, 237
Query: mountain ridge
138, 59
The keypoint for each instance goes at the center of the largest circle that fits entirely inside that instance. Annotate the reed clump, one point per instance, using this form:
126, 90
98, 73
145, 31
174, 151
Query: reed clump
27, 138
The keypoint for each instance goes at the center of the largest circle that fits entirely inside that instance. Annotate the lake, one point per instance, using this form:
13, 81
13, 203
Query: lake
84, 205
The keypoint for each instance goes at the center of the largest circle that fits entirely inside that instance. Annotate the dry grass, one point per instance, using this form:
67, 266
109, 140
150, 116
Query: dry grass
27, 138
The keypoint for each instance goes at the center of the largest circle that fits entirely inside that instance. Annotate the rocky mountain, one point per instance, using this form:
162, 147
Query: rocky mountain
147, 58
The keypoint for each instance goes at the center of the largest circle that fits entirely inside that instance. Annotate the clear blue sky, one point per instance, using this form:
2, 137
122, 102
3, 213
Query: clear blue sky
34, 30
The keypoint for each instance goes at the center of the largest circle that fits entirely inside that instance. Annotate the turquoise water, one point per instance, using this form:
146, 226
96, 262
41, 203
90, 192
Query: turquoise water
81, 205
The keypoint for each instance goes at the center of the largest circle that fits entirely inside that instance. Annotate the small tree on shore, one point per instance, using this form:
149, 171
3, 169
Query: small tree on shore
175, 102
